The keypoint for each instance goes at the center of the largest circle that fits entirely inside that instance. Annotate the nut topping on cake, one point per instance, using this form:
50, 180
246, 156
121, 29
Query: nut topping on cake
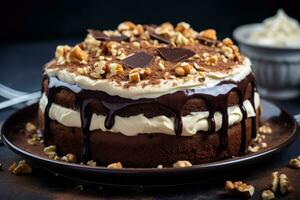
160, 48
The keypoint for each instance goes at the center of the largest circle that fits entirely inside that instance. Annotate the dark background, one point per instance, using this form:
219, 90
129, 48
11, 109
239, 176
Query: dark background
40, 20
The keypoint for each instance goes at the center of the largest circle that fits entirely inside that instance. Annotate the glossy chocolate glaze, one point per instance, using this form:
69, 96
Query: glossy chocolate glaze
216, 100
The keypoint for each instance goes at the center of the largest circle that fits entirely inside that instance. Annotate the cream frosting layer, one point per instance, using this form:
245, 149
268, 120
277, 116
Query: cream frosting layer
192, 123
138, 91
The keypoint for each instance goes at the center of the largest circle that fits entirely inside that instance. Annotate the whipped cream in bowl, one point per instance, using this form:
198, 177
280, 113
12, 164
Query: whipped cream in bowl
273, 47
278, 31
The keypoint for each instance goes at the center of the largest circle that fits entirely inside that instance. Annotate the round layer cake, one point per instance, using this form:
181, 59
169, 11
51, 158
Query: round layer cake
147, 95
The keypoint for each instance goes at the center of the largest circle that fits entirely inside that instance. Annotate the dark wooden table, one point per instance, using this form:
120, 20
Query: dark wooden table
21, 66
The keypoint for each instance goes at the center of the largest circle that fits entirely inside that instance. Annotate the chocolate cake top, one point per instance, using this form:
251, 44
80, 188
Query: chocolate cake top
135, 52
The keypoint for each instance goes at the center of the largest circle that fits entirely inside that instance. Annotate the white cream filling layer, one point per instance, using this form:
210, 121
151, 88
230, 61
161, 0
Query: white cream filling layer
139, 124
138, 91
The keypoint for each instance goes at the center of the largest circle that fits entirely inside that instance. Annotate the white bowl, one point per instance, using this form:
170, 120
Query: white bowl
277, 69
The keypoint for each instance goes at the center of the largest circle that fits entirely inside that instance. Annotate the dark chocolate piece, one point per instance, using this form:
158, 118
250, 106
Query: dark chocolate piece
206, 41
140, 59
175, 54
160, 38
99, 35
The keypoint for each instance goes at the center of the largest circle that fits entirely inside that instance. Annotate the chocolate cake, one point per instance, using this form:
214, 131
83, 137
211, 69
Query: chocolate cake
147, 95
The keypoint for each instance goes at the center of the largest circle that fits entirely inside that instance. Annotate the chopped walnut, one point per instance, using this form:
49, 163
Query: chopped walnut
61, 53
182, 26
280, 183
112, 47
227, 42
77, 55
32, 141
92, 163
265, 129
210, 34
91, 43
284, 184
49, 149
211, 60
181, 40
239, 189
179, 71
267, 195
165, 29
84, 70
125, 26
228, 52
161, 66
115, 68
295, 163
134, 77
275, 181
189, 69
182, 163
116, 165
30, 128
70, 158
253, 149
20, 168
159, 166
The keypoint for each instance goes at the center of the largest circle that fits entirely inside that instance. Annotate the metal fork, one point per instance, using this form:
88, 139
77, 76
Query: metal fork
14, 97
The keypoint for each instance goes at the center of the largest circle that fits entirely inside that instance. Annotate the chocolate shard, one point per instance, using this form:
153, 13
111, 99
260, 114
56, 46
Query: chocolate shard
119, 38
175, 54
158, 37
99, 35
206, 41
140, 59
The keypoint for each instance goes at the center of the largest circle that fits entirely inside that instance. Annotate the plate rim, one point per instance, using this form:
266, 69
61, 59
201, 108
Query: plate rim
217, 165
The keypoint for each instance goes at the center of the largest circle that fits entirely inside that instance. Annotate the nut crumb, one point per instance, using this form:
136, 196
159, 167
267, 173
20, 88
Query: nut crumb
267, 195
116, 165
92, 163
210, 34
265, 129
179, 71
20, 168
182, 163
159, 166
295, 163
70, 158
30, 127
239, 189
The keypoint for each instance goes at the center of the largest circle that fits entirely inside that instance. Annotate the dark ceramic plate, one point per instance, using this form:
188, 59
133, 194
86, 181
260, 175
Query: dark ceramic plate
284, 132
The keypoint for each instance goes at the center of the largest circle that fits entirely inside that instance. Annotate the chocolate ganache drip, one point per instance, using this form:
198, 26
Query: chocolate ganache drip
216, 100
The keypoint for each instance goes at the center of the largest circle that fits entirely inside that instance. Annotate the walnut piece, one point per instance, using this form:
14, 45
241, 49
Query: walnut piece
265, 129
267, 195
280, 182
92, 163
179, 71
295, 163
284, 184
77, 55
134, 77
30, 128
20, 168
210, 34
70, 158
182, 163
239, 189
116, 165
